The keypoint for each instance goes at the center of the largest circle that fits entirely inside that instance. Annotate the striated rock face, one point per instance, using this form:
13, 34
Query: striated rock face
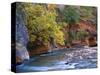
21, 40
21, 31
21, 52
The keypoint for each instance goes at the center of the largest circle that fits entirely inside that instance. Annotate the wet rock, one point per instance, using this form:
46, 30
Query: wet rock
21, 53
92, 41
39, 50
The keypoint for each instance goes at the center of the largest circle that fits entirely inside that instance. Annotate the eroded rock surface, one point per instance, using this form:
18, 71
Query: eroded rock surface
21, 40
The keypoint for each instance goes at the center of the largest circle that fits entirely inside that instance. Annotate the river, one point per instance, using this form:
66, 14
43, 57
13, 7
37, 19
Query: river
63, 59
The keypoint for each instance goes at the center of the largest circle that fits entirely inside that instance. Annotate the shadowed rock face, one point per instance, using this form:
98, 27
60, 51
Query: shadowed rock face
21, 39
21, 31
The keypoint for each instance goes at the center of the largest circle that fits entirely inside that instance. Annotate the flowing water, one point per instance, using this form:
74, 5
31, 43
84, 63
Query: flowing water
64, 59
